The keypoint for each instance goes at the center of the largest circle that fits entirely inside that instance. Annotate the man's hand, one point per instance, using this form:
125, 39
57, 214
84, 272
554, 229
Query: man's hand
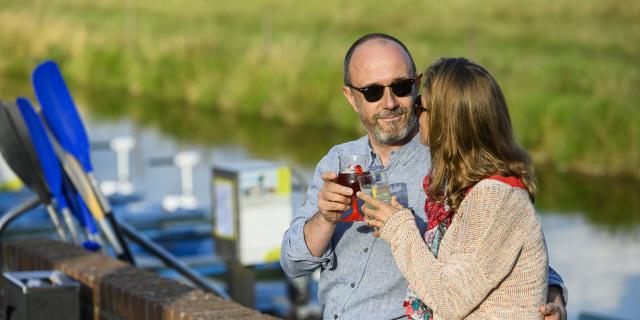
555, 308
333, 199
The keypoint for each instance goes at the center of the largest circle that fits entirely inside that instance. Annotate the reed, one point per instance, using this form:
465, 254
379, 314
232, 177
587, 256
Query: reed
569, 68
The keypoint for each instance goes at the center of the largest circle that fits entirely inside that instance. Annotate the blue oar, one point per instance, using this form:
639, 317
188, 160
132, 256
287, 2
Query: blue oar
17, 148
48, 161
60, 112
62, 116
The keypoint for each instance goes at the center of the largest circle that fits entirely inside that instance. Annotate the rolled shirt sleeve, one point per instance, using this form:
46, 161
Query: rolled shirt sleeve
556, 280
295, 258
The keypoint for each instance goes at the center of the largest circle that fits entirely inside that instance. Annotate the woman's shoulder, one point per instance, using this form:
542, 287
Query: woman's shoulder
496, 187
493, 196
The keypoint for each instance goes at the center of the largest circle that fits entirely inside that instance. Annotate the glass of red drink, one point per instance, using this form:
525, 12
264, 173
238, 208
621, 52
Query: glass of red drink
350, 167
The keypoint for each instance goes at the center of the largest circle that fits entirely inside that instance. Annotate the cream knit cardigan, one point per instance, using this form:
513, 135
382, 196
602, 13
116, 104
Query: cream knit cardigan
492, 262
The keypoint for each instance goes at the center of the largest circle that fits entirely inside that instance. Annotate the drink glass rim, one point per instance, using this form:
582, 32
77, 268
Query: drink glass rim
344, 162
369, 177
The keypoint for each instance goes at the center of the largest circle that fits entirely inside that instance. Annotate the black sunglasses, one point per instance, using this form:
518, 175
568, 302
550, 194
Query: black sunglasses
418, 107
374, 92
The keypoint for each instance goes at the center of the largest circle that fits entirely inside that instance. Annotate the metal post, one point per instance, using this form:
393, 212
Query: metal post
241, 283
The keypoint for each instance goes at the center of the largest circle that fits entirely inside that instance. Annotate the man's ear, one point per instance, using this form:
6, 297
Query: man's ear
349, 95
419, 81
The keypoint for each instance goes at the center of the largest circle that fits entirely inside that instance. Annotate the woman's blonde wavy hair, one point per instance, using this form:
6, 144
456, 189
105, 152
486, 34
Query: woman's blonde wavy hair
469, 131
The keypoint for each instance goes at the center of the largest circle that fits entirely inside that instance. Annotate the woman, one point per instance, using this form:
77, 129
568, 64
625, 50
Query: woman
485, 255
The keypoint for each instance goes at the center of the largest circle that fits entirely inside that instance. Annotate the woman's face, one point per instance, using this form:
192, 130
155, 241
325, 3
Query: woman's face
423, 120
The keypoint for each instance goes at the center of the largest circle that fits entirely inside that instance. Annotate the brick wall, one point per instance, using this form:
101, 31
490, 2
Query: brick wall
112, 289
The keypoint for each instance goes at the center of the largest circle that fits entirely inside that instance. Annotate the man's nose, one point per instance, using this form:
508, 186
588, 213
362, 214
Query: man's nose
389, 99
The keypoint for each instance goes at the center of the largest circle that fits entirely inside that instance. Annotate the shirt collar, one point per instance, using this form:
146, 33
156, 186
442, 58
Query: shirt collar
406, 152
400, 156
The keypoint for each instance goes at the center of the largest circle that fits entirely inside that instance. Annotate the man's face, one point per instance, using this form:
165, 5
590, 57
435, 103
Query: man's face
390, 119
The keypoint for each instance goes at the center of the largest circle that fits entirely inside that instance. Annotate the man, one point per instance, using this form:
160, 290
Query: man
359, 278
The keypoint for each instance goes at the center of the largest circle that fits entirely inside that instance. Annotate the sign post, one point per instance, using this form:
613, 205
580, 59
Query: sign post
252, 207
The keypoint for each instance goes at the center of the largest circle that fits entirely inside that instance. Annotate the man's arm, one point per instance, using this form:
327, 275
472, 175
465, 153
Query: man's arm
555, 309
317, 234
555, 281
295, 258
333, 199
306, 244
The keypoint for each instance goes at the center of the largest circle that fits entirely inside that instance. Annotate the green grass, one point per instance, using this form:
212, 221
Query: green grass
570, 68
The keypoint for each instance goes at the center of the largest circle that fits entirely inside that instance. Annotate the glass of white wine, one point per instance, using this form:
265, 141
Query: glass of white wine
376, 185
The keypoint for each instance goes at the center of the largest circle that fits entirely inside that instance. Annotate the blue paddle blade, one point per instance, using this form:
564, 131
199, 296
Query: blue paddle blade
60, 112
44, 150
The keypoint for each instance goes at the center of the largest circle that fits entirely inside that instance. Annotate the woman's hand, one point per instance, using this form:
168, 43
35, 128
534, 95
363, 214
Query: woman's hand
377, 212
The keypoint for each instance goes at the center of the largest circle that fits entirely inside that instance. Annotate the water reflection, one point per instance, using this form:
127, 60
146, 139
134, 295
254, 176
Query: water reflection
607, 203
202, 125
601, 271
610, 204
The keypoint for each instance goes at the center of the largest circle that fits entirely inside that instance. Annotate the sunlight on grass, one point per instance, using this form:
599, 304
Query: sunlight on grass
569, 68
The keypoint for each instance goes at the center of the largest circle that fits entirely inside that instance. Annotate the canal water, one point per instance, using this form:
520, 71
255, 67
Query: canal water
592, 225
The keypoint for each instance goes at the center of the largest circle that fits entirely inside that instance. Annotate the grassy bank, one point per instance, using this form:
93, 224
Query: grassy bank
569, 68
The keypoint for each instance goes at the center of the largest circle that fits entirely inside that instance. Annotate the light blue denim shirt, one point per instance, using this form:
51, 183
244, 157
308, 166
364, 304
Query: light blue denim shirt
359, 277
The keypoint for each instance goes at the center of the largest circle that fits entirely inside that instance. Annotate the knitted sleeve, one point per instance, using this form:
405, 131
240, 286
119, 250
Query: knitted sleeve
487, 246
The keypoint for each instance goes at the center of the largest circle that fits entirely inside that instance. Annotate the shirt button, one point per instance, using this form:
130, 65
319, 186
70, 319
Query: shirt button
366, 249
335, 316
353, 285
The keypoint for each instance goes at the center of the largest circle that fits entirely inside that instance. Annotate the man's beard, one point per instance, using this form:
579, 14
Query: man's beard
394, 132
